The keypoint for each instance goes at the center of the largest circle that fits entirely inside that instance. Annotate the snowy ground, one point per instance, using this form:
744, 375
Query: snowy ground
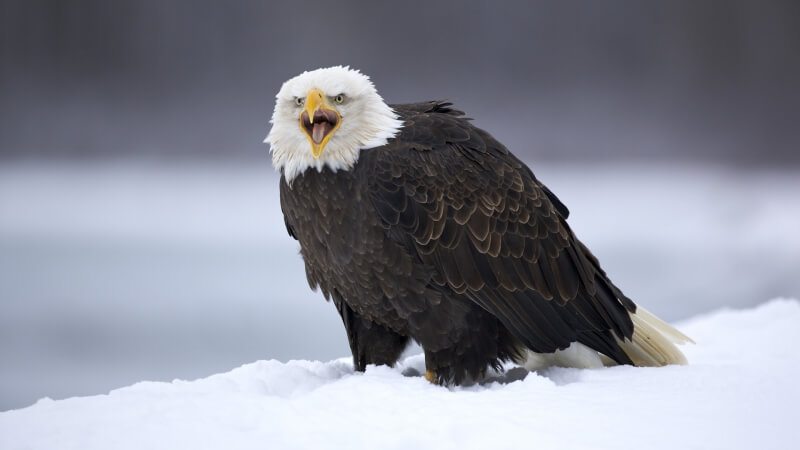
116, 273
739, 391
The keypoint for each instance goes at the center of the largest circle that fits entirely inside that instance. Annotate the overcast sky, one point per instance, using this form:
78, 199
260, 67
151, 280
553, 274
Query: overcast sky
700, 80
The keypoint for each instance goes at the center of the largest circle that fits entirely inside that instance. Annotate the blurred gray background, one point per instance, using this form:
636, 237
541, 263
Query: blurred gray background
140, 231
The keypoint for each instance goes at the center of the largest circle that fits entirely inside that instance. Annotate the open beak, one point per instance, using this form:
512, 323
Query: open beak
319, 121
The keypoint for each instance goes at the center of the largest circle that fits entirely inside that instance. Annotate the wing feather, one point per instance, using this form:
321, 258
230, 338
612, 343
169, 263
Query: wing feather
464, 206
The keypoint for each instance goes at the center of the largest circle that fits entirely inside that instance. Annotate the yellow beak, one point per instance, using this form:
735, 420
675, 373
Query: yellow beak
319, 120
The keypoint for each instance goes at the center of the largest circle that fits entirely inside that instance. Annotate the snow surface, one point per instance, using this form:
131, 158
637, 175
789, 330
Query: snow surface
739, 391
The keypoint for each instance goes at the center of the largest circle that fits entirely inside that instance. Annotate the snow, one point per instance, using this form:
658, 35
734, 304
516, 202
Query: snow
739, 391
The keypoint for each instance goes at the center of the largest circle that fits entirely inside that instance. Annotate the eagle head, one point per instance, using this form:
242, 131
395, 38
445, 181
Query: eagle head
325, 117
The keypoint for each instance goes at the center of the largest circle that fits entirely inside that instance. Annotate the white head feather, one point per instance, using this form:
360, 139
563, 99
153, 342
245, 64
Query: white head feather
366, 121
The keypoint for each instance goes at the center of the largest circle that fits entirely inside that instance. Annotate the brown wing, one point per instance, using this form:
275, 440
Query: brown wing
476, 217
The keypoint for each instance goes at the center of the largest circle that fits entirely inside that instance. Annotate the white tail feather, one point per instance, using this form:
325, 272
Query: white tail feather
653, 342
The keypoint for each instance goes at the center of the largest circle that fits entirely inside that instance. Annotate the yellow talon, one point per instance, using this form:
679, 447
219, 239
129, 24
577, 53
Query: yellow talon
431, 377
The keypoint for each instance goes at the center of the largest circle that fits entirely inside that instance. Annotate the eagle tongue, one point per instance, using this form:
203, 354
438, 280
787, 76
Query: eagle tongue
319, 131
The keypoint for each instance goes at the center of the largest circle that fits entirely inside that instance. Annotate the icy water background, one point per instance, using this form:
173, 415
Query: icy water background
115, 273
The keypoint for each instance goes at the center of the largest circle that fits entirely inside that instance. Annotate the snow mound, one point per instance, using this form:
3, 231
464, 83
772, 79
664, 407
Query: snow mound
739, 391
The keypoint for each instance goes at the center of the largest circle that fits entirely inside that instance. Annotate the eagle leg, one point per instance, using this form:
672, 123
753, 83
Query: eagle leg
370, 342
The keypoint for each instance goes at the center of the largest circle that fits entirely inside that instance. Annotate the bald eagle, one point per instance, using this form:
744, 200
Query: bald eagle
419, 225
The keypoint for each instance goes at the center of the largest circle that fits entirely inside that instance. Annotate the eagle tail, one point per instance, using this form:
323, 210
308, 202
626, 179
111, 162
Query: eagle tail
652, 345
653, 341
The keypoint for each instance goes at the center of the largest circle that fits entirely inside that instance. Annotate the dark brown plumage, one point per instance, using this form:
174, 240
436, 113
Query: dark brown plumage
443, 236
